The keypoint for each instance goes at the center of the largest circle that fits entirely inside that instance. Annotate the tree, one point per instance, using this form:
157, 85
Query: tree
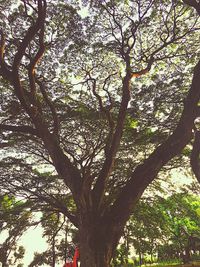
108, 136
146, 228
55, 228
15, 219
60, 235
181, 212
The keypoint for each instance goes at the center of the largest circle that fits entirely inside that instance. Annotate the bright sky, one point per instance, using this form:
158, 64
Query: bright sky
33, 242
83, 12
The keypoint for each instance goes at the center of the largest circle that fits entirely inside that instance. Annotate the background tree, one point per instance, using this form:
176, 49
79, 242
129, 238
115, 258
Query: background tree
71, 100
182, 220
15, 218
163, 227
60, 236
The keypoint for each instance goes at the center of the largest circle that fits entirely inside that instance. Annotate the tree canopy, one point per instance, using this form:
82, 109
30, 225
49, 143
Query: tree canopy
94, 104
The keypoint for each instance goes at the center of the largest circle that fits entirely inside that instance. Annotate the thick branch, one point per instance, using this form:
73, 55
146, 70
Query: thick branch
32, 31
2, 46
193, 3
4, 71
19, 129
35, 60
51, 106
115, 142
146, 172
194, 160
38, 26
63, 165
109, 161
137, 74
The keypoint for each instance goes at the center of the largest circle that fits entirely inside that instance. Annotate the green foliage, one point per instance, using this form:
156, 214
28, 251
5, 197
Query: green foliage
15, 218
166, 227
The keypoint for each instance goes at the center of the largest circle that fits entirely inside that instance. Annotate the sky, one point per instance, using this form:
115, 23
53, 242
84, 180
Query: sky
32, 241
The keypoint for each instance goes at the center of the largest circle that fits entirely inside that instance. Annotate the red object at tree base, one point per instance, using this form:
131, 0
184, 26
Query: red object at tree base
75, 260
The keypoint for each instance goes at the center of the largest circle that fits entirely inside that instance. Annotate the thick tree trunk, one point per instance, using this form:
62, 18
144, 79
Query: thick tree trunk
3, 257
97, 242
4, 263
94, 257
94, 254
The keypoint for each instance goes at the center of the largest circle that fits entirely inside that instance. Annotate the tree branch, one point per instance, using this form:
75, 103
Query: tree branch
32, 31
193, 3
56, 125
194, 159
148, 170
31, 105
4, 71
63, 165
137, 74
19, 129
33, 63
110, 157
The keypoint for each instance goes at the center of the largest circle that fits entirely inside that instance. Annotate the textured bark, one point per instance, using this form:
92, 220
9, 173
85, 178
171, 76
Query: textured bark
194, 159
95, 248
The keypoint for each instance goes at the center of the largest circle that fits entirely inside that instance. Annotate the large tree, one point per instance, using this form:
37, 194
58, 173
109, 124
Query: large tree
103, 98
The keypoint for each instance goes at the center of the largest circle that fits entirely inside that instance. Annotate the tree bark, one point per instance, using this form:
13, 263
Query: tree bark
97, 242
94, 254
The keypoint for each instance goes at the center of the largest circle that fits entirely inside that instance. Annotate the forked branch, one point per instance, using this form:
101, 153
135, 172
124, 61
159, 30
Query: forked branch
146, 172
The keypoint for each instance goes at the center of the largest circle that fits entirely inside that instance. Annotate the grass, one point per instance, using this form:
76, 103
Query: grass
193, 264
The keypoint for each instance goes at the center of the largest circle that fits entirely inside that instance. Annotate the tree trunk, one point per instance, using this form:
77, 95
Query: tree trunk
97, 243
140, 258
94, 255
53, 252
4, 263
187, 255
3, 257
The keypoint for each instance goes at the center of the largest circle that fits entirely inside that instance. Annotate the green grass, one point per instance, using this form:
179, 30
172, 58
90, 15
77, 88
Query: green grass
193, 264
